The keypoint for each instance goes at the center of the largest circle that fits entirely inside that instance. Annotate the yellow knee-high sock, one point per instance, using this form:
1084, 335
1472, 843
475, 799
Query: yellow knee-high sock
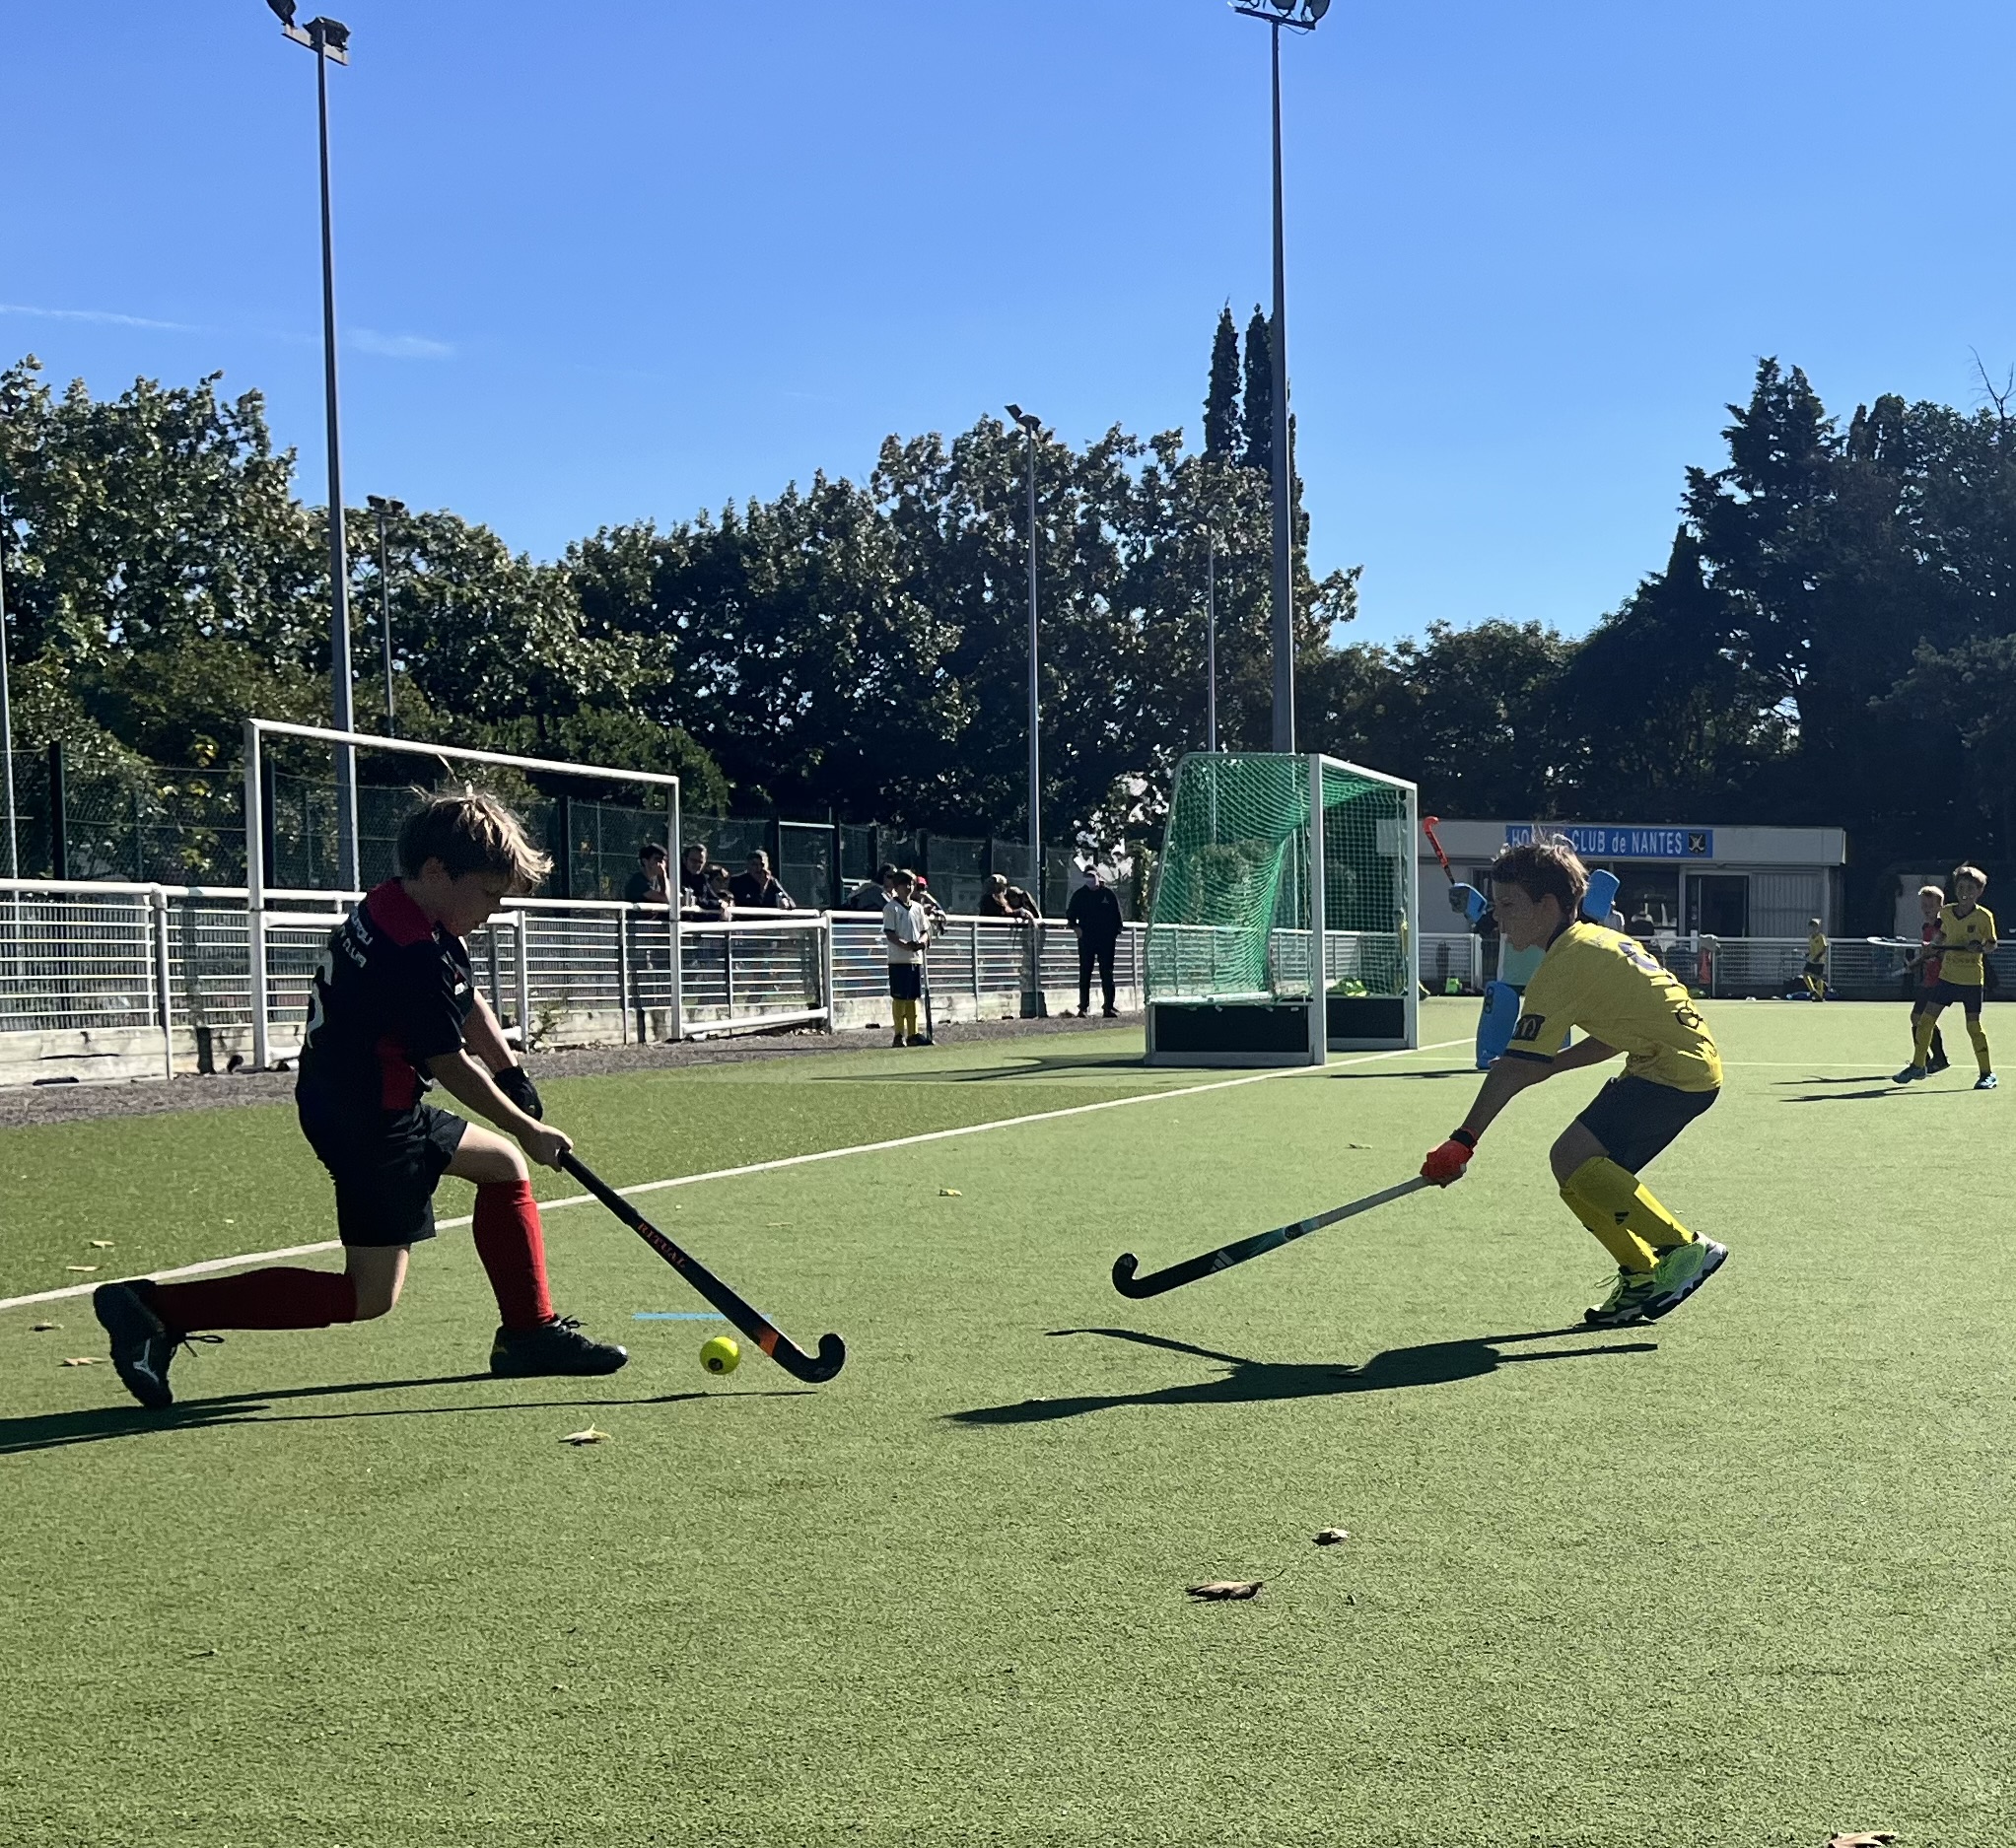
1921, 1040
899, 1017
1627, 1209
1629, 1251
1979, 1035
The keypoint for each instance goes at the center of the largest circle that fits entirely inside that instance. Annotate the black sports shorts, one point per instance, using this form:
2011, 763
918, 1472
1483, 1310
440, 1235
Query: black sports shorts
385, 1176
1944, 993
1637, 1120
905, 982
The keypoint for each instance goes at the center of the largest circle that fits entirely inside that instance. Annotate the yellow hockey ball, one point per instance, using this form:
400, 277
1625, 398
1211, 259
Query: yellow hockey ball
720, 1356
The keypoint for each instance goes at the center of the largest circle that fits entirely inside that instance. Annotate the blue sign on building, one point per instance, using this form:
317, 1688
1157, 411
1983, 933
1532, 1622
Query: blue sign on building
1613, 843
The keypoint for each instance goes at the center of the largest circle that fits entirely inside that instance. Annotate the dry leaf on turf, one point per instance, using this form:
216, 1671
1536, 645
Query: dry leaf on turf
82, 1360
948, 1192
105, 1245
590, 1436
1224, 1590
1333, 1536
83, 1271
43, 1327
1862, 1838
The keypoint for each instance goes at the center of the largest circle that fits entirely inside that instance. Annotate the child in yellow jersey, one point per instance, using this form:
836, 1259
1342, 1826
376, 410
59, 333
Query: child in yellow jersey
1628, 1004
1967, 936
1815, 972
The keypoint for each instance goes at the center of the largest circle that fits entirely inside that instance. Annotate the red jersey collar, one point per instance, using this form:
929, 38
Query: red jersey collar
392, 910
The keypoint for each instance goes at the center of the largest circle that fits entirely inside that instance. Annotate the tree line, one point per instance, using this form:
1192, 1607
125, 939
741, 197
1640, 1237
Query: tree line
1832, 638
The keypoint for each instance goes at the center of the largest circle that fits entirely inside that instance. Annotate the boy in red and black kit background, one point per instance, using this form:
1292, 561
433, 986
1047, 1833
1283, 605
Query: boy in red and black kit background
394, 1011
1931, 901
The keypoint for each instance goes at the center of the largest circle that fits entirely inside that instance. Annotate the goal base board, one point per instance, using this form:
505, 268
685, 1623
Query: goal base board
1271, 1033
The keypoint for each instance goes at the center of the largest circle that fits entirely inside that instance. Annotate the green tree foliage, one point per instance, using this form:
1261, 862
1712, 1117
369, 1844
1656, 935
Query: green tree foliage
1256, 407
1831, 639
1223, 427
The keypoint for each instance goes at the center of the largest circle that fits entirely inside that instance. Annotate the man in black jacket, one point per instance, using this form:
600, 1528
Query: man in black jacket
1093, 913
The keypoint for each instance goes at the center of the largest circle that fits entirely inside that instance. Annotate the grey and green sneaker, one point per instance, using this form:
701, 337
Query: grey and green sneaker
1630, 1300
1681, 1270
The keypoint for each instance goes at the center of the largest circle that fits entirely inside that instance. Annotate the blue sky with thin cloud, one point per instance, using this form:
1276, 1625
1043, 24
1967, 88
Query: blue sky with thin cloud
603, 262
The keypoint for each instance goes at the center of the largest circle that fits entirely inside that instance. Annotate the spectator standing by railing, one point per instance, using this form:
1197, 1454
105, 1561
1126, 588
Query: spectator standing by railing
648, 885
693, 869
1093, 916
756, 888
1002, 900
717, 900
906, 931
872, 895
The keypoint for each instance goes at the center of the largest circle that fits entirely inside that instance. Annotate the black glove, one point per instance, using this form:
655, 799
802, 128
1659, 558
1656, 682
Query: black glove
516, 1082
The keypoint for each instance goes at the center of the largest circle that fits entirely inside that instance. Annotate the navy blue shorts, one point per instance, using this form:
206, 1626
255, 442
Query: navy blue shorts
1637, 1120
1944, 993
385, 1172
905, 982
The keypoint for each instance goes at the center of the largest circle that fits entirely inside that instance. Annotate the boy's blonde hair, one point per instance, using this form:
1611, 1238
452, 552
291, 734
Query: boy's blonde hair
1971, 872
1933, 891
470, 832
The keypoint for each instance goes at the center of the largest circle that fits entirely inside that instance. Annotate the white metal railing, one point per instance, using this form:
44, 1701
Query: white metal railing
108, 970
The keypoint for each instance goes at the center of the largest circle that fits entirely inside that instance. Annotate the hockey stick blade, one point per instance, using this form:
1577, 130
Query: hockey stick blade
814, 1369
1205, 1264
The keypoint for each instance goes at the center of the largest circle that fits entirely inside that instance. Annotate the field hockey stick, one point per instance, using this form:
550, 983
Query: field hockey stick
1227, 1255
1428, 825
1464, 897
794, 1359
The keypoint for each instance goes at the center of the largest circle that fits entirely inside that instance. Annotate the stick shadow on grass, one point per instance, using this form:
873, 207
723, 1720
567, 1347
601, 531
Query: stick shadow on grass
1249, 1382
57, 1429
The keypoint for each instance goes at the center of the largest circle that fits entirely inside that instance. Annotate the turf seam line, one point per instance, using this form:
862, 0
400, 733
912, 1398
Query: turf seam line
209, 1265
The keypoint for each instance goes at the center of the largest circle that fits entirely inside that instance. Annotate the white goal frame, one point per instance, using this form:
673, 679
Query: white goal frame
257, 730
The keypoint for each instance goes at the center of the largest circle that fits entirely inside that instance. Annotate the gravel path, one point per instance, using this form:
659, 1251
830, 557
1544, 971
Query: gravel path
77, 1103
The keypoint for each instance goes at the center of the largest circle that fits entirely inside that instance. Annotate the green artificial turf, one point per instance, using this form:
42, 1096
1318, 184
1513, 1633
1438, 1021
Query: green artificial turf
1736, 1578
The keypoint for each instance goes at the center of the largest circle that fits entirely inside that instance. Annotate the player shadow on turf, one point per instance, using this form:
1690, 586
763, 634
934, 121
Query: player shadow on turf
1250, 1382
1038, 1066
56, 1430
1883, 1087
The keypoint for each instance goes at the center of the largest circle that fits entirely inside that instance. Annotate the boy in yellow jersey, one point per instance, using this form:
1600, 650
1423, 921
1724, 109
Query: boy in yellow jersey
1628, 1004
1815, 972
1967, 934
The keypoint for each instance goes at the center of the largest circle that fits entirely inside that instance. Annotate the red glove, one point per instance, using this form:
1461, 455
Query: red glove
1449, 1160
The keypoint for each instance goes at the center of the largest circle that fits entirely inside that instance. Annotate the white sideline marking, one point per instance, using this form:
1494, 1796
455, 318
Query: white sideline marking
209, 1265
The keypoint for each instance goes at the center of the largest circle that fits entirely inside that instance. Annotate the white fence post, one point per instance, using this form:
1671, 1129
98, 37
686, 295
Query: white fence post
623, 979
524, 981
161, 981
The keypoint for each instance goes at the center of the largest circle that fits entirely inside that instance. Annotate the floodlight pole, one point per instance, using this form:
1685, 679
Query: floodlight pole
1211, 641
1297, 16
1030, 424
7, 819
329, 40
382, 510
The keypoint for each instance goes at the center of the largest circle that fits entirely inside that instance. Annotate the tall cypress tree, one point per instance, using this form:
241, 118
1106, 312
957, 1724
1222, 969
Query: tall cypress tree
1259, 399
1222, 422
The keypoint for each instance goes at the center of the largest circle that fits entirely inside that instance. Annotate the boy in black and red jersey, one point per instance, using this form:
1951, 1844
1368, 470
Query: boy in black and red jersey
393, 1013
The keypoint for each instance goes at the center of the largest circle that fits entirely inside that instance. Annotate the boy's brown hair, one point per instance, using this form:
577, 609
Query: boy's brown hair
1933, 891
470, 832
1980, 879
1540, 868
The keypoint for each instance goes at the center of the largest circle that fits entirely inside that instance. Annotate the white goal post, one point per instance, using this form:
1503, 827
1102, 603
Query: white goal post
257, 730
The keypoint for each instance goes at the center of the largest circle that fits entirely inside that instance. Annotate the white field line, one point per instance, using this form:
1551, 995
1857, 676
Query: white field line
209, 1265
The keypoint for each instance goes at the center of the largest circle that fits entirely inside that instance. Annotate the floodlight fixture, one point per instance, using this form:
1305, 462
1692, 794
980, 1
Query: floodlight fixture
327, 37
1300, 15
283, 9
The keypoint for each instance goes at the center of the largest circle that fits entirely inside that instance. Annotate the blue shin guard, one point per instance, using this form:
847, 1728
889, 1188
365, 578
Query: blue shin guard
1501, 1002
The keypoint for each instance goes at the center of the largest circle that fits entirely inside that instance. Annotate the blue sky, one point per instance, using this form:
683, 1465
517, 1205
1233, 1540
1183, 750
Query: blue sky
603, 261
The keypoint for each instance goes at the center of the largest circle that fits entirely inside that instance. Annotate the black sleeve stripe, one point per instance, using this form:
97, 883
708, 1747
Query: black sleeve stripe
1538, 1059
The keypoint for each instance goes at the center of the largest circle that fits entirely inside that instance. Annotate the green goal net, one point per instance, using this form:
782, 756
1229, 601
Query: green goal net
1231, 917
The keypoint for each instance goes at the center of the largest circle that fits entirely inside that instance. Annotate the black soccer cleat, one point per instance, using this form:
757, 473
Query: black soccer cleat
553, 1347
141, 1345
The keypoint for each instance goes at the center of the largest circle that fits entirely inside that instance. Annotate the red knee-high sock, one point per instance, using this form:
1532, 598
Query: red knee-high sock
277, 1298
514, 1252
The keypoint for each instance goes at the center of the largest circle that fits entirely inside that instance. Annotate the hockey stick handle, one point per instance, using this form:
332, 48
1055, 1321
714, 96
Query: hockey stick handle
794, 1359
1227, 1255
1428, 825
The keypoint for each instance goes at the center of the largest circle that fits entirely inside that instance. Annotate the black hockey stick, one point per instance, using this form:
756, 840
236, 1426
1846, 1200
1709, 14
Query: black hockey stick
794, 1359
1227, 1255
